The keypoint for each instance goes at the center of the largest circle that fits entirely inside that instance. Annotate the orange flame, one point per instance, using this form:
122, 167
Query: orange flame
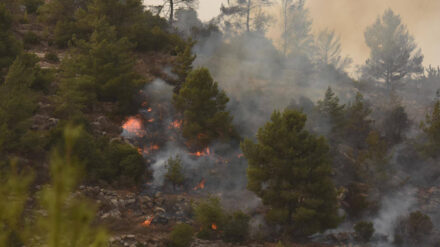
149, 109
205, 152
150, 120
201, 185
148, 221
151, 148
176, 124
133, 125
240, 156
214, 226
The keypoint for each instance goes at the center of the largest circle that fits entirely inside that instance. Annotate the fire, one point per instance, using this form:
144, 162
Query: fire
240, 156
133, 125
201, 185
148, 221
149, 109
205, 152
151, 148
150, 120
214, 226
176, 124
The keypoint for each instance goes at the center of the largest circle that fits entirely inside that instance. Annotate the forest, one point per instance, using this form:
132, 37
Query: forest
135, 123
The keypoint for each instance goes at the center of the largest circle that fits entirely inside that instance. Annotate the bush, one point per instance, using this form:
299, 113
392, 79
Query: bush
413, 229
236, 228
364, 230
32, 5
210, 216
51, 57
181, 236
174, 173
30, 38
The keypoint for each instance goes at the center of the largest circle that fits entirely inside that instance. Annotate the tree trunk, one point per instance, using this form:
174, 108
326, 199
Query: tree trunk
171, 11
248, 15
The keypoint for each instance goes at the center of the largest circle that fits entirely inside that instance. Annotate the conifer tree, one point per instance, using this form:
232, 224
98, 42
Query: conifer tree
358, 123
102, 68
9, 46
203, 106
289, 169
174, 173
333, 112
431, 127
183, 64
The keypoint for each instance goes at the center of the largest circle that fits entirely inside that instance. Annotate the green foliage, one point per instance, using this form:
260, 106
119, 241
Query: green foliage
32, 5
357, 199
18, 105
114, 162
14, 185
183, 64
431, 127
9, 46
174, 173
413, 229
393, 52
30, 38
68, 221
395, 124
207, 213
364, 230
236, 227
332, 110
181, 236
203, 107
358, 123
101, 69
289, 169
51, 57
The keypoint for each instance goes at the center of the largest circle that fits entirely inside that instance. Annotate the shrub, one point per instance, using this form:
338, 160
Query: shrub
32, 5
174, 173
51, 57
181, 236
364, 230
236, 228
412, 229
30, 38
210, 216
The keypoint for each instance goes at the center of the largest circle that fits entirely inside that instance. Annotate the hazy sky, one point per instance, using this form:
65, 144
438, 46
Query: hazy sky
350, 18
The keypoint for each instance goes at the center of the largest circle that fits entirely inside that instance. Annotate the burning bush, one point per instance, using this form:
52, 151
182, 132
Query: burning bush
181, 236
210, 216
413, 229
364, 230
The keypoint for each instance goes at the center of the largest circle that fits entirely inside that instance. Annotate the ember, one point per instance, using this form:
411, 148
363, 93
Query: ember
133, 126
176, 124
214, 226
240, 156
201, 185
148, 220
205, 152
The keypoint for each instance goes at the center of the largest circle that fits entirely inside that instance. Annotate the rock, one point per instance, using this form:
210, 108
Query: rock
159, 210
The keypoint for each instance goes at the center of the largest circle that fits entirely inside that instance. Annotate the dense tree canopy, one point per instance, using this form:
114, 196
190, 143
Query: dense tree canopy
289, 169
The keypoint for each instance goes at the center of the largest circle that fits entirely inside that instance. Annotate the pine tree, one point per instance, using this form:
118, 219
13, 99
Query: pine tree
393, 54
203, 107
358, 123
174, 173
17, 105
289, 169
9, 46
102, 68
333, 112
183, 64
431, 127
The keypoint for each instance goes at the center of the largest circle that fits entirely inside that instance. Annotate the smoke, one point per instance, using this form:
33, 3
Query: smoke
392, 207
